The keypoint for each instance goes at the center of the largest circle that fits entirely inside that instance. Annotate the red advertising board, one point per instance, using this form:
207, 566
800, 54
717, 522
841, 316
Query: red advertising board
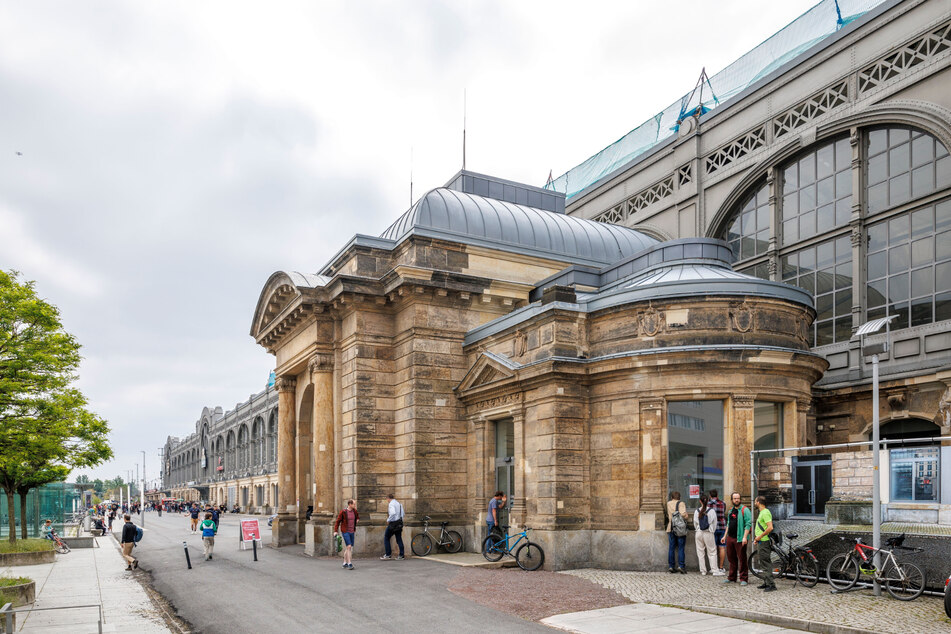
694, 491
250, 530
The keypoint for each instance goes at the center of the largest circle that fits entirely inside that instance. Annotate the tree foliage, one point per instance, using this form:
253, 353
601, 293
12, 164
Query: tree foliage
45, 426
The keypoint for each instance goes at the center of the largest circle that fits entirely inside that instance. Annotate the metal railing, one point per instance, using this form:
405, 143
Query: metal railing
7, 611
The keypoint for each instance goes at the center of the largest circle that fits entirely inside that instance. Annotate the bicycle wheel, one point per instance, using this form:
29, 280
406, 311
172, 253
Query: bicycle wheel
777, 565
62, 549
807, 569
906, 582
422, 544
947, 600
493, 549
455, 542
530, 556
842, 571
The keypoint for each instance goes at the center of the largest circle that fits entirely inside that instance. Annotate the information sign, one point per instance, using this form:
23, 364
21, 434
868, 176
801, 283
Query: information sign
694, 491
250, 530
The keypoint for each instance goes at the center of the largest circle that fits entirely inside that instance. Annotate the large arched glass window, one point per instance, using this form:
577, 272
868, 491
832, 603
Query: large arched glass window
748, 234
817, 192
903, 165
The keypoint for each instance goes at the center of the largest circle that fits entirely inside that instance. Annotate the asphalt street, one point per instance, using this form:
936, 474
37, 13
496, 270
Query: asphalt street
287, 591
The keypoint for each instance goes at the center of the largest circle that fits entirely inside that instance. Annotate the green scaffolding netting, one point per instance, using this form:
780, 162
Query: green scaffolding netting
797, 37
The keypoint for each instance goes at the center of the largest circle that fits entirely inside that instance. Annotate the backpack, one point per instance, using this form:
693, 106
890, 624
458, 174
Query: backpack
678, 526
704, 523
777, 537
138, 534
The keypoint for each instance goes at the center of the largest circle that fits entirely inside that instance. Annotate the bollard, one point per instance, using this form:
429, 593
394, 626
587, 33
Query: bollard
254, 546
188, 559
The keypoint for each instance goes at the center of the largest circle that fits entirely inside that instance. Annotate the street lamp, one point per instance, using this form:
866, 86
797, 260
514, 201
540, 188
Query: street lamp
142, 490
869, 328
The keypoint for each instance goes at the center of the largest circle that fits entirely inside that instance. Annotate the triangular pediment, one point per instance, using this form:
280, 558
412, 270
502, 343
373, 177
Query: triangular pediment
488, 368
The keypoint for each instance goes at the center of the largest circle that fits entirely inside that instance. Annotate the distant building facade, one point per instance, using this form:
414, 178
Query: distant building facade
231, 458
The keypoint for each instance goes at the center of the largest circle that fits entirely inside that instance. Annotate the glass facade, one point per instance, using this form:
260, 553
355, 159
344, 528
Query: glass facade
56, 501
914, 474
767, 425
694, 446
906, 253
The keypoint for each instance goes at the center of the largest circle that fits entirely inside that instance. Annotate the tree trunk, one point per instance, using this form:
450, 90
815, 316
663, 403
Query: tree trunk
23, 514
11, 513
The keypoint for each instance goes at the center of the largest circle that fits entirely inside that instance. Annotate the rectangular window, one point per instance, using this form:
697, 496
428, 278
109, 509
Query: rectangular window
695, 446
914, 474
767, 425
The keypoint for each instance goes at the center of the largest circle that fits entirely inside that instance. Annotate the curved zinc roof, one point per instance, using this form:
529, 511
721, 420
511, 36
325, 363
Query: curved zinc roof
494, 223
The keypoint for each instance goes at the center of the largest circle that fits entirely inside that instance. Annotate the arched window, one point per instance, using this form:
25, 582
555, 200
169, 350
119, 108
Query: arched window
272, 437
243, 447
230, 452
905, 217
257, 433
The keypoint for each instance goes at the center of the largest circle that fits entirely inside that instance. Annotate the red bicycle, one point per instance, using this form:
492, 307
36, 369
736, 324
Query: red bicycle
903, 581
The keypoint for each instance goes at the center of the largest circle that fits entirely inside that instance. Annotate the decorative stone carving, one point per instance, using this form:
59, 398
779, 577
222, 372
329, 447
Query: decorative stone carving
498, 401
743, 401
520, 344
321, 363
742, 317
896, 401
652, 322
803, 406
944, 407
856, 236
285, 384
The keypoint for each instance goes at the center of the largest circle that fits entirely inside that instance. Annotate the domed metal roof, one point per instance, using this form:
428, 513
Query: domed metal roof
472, 219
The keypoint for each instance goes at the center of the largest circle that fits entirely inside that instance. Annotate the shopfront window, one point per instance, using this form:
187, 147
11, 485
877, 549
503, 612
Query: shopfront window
767, 425
914, 474
695, 447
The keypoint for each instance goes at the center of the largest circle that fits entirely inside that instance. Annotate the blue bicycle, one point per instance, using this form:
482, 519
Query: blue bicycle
528, 555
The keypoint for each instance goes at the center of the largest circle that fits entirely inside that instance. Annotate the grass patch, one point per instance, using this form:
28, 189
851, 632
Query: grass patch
13, 581
26, 546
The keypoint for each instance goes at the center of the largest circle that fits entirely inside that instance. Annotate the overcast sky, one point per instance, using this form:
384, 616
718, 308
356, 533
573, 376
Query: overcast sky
175, 154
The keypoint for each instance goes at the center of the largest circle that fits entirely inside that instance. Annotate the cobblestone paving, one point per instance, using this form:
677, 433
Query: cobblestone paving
809, 530
859, 609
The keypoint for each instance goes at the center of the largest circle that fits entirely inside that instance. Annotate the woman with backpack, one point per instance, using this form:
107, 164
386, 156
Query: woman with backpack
705, 523
676, 533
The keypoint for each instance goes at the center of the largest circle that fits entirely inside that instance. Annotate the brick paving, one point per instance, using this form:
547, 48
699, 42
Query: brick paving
859, 609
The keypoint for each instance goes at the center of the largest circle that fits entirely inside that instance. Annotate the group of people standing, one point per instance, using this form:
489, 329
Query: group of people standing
721, 536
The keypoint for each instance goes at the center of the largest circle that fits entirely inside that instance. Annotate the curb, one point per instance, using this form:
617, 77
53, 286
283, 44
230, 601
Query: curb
774, 619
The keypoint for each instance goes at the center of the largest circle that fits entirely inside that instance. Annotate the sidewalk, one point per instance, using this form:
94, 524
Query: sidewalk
89, 576
793, 606
646, 617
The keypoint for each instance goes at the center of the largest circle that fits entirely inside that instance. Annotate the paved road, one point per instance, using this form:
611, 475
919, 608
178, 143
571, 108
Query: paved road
288, 591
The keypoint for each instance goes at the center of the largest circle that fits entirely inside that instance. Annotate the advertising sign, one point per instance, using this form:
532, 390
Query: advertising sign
694, 491
250, 530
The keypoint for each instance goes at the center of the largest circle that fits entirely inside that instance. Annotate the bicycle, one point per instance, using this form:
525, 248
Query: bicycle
61, 547
903, 581
423, 543
796, 560
529, 556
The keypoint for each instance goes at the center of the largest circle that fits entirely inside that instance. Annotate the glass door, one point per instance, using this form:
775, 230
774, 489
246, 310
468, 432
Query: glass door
505, 464
812, 483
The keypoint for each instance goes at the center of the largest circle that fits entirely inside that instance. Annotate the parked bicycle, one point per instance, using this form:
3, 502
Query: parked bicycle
424, 542
61, 547
798, 561
528, 555
903, 581
947, 596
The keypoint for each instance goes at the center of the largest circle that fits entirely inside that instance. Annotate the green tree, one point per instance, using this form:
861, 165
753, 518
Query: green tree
82, 479
44, 421
98, 486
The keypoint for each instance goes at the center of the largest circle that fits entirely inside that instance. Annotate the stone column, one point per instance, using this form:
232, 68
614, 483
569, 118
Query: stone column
739, 442
323, 433
284, 530
653, 473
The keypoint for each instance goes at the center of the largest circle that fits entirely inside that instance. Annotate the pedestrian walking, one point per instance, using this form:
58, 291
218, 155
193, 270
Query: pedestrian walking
194, 511
208, 531
394, 527
215, 516
705, 525
764, 526
739, 522
720, 508
347, 525
127, 542
112, 517
676, 533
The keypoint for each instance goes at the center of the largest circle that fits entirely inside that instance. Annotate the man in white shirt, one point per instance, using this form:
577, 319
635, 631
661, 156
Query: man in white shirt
394, 527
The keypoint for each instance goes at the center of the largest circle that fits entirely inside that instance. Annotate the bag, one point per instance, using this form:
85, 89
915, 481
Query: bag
139, 533
678, 526
397, 525
777, 537
704, 523
339, 543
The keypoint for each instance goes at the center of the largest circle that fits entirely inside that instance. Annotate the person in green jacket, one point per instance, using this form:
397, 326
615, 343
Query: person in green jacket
208, 529
739, 521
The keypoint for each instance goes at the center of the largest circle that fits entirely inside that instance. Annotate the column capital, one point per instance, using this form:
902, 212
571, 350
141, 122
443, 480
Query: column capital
285, 383
321, 363
743, 401
803, 405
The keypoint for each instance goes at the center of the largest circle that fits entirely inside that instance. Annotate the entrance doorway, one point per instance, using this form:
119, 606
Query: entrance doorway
505, 463
812, 483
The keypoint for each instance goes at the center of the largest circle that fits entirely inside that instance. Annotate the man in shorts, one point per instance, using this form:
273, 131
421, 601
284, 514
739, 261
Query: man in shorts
347, 525
194, 511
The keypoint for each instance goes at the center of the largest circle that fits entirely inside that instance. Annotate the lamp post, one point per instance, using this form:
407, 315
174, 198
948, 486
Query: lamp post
142, 490
868, 328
